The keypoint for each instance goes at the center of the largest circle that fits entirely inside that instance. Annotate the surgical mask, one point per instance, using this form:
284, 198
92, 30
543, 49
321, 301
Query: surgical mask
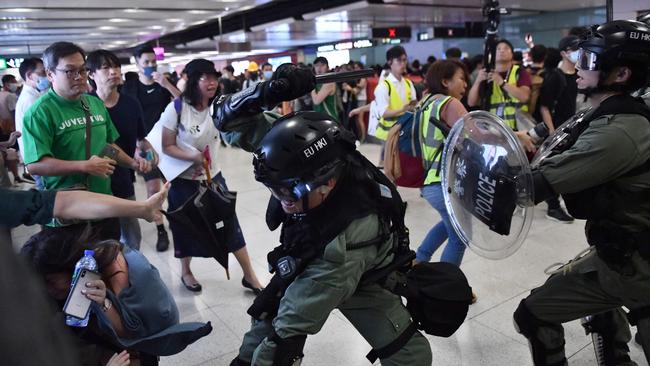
573, 56
268, 75
42, 83
13, 87
148, 70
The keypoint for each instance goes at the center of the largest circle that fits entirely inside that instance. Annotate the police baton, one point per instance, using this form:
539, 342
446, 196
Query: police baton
337, 77
281, 85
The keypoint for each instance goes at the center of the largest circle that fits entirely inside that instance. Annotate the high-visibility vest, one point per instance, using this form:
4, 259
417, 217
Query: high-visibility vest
432, 137
505, 105
395, 103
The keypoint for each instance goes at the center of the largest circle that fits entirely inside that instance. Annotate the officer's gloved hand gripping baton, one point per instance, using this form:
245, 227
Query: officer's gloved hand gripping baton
283, 84
289, 82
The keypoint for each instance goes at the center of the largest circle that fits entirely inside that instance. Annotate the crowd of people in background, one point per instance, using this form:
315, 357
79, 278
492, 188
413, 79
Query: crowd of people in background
39, 126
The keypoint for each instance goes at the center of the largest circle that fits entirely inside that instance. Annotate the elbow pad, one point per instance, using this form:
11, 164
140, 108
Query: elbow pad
541, 187
289, 82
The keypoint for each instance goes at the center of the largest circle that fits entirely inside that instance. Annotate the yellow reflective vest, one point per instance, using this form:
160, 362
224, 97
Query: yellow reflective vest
503, 104
432, 137
395, 103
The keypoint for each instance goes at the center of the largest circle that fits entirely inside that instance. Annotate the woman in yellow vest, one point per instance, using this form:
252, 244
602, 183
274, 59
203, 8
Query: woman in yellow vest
509, 86
394, 95
447, 83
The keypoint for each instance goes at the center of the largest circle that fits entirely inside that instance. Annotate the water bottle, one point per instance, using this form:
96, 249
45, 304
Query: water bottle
89, 263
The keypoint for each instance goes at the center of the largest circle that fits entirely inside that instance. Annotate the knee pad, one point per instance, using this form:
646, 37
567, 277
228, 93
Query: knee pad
527, 325
289, 350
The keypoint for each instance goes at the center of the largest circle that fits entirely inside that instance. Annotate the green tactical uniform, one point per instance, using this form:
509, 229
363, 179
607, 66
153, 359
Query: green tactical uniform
611, 146
331, 282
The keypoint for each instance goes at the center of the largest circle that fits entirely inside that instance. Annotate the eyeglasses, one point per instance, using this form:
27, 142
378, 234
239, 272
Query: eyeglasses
209, 79
73, 74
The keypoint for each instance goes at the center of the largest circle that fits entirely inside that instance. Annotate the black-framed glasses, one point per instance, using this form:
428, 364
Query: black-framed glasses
74, 73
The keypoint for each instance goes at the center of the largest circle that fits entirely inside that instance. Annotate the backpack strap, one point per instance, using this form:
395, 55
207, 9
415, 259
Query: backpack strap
178, 106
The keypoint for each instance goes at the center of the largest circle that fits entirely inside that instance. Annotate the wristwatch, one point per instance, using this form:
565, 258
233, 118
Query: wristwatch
107, 305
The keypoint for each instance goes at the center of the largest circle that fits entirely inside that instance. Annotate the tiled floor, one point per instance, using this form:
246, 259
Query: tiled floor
486, 338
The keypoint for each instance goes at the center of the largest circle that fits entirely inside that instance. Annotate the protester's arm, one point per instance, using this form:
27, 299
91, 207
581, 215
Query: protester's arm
165, 83
11, 141
474, 96
547, 118
136, 163
324, 92
522, 93
49, 166
170, 148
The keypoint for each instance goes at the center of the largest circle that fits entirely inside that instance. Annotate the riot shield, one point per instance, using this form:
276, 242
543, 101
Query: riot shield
487, 185
564, 135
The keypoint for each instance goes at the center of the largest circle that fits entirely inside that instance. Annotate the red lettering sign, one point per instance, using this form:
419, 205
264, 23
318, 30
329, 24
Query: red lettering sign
392, 32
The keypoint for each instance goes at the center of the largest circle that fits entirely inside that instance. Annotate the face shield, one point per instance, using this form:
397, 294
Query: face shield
291, 193
587, 60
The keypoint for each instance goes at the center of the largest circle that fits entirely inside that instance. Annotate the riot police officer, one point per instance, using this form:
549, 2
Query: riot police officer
603, 175
337, 215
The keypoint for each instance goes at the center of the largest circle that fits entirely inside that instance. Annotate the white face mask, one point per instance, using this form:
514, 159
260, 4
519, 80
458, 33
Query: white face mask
573, 56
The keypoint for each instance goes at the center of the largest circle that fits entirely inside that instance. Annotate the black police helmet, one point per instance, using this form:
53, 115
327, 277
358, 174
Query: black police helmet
301, 152
618, 41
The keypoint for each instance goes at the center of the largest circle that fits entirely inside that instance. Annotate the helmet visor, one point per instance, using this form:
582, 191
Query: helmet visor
587, 60
283, 193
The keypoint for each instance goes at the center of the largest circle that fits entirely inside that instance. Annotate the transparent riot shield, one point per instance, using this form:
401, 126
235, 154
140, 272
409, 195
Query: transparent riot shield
487, 185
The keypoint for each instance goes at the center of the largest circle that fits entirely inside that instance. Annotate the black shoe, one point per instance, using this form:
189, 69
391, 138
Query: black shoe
196, 287
248, 285
558, 214
163, 241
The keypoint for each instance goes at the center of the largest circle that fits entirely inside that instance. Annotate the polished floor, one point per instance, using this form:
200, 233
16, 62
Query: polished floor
486, 338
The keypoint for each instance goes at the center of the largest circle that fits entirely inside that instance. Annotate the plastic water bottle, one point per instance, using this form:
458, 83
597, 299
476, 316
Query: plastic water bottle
88, 262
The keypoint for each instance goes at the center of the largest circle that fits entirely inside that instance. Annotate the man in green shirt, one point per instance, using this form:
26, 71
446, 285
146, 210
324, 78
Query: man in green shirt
54, 128
324, 96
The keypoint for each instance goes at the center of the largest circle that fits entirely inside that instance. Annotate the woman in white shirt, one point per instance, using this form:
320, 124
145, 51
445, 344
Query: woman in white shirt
193, 137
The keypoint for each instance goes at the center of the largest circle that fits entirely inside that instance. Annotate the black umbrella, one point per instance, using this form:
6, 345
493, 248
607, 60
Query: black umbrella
209, 214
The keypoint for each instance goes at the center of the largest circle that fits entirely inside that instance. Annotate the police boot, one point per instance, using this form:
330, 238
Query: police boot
609, 351
543, 351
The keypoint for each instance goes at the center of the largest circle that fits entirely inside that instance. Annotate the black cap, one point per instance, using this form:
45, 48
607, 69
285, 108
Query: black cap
568, 43
201, 66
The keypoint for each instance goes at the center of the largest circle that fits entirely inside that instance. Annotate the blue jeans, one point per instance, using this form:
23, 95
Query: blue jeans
130, 229
440, 232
